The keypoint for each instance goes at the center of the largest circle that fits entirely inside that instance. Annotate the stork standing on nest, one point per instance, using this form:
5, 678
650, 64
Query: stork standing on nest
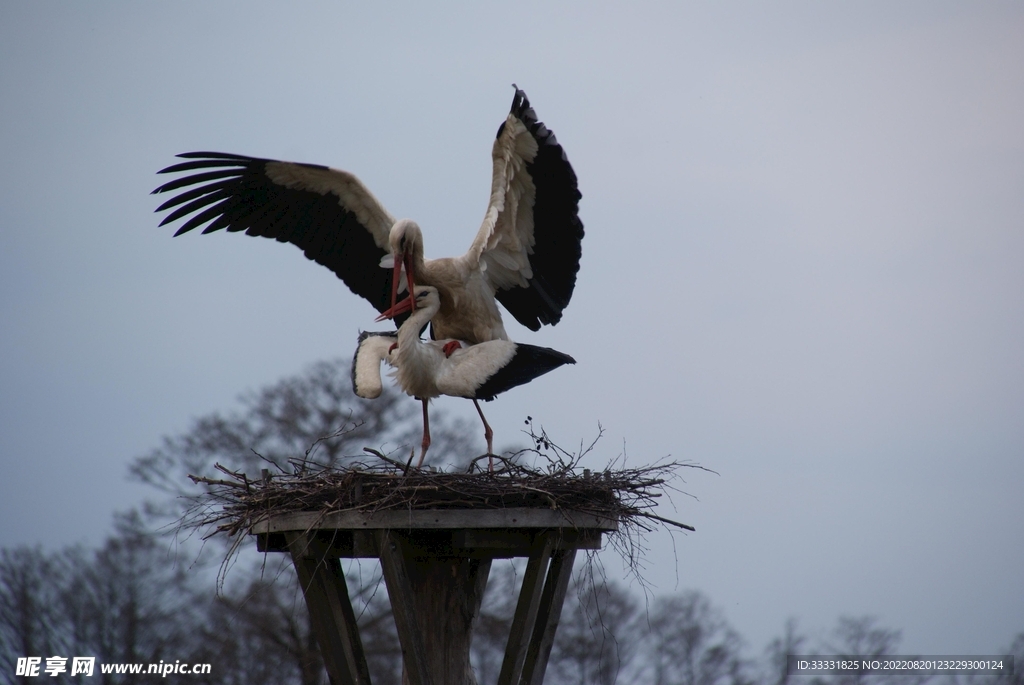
428, 369
525, 255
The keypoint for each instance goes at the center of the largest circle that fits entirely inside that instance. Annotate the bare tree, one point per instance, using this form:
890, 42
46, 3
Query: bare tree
862, 638
597, 634
777, 654
30, 619
128, 601
1016, 650
125, 602
689, 642
259, 634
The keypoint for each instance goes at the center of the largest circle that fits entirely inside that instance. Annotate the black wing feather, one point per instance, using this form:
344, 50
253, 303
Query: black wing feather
233, 192
193, 179
529, 362
190, 195
211, 196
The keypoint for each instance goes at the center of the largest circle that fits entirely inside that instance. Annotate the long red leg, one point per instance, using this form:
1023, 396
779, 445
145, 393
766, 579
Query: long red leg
488, 435
426, 434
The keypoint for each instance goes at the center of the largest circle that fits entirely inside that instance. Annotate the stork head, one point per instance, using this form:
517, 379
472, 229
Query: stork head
425, 297
406, 243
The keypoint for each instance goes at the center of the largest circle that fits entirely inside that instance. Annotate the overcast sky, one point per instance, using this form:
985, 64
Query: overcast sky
803, 265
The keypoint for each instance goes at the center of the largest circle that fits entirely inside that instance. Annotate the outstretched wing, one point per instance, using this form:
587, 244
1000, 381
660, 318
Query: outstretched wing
329, 214
529, 244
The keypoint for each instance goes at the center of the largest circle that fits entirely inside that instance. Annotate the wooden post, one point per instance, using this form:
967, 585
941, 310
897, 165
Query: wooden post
394, 564
435, 600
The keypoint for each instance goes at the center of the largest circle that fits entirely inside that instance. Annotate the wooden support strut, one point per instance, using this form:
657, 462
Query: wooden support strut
526, 615
548, 614
330, 610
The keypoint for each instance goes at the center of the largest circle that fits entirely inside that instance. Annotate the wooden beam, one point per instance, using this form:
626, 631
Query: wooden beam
548, 614
439, 519
403, 606
526, 613
330, 610
475, 543
519, 542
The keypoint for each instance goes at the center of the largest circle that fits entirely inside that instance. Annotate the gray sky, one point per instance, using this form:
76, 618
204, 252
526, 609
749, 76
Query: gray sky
802, 267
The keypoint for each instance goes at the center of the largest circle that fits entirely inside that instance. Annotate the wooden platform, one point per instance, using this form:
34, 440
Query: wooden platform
435, 565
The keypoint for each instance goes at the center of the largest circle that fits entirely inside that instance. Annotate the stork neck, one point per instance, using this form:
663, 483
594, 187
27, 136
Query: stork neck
409, 332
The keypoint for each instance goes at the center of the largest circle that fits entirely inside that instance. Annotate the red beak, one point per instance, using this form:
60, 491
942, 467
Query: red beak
403, 259
402, 307
408, 274
395, 276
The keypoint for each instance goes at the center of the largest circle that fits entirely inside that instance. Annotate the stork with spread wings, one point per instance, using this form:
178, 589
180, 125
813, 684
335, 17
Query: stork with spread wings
525, 255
